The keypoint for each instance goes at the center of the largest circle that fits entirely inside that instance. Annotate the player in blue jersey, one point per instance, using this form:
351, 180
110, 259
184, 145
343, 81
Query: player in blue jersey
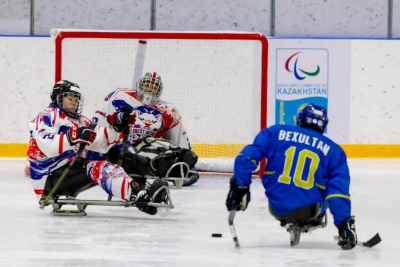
306, 172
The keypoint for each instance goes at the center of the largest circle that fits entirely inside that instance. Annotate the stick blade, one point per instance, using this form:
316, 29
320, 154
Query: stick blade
375, 240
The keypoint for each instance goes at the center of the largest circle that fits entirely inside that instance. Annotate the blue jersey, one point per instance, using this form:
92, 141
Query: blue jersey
303, 167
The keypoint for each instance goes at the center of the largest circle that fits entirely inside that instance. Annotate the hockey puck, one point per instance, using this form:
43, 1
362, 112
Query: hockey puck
216, 235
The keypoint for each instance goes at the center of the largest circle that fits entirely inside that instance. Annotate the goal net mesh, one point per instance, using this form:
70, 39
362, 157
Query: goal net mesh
214, 83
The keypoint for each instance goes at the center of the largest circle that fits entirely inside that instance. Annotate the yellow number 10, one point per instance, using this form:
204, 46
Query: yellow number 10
285, 176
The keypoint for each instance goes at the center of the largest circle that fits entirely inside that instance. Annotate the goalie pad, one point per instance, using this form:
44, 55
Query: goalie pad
152, 147
166, 160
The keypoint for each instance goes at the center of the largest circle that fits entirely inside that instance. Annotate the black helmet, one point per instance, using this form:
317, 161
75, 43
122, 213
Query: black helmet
63, 88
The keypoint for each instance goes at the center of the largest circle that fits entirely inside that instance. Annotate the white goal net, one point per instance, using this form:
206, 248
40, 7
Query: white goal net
217, 80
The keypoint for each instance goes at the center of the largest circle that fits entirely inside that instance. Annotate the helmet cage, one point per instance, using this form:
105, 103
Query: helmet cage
313, 117
64, 88
149, 88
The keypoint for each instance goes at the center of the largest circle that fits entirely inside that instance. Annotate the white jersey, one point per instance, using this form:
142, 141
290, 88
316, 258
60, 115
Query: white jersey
160, 121
49, 148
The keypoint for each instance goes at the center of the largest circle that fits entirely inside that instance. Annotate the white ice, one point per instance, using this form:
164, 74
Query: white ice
114, 236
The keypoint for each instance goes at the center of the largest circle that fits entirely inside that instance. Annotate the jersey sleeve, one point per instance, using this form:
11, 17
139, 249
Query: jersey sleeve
178, 136
106, 135
176, 132
101, 113
248, 159
45, 132
337, 188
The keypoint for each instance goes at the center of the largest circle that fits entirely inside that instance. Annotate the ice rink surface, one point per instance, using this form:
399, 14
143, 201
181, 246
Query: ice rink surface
115, 236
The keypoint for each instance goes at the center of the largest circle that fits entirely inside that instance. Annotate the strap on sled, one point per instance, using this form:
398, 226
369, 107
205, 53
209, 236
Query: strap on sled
178, 180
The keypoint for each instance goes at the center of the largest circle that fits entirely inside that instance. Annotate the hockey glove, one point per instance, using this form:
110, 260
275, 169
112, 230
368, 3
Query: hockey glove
80, 135
121, 119
347, 234
238, 196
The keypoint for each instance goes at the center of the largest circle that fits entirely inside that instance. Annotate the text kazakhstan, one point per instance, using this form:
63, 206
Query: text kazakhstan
302, 91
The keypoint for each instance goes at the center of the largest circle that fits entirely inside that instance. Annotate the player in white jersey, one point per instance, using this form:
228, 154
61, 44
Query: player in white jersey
154, 119
55, 136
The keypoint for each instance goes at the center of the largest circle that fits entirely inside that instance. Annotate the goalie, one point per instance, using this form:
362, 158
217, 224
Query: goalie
56, 134
157, 142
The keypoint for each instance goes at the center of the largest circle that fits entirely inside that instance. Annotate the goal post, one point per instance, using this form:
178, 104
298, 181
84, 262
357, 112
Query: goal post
217, 80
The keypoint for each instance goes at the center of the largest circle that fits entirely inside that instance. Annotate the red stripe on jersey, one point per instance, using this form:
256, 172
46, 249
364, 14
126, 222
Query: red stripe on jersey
60, 144
101, 113
37, 122
132, 94
106, 135
123, 189
54, 119
39, 191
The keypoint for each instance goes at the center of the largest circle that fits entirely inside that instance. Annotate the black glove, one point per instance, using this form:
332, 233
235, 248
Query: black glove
238, 196
347, 234
121, 119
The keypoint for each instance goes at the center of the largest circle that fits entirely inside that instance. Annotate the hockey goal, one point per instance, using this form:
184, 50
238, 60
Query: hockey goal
217, 80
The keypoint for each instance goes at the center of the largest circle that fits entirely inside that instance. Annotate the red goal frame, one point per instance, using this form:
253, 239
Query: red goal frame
64, 34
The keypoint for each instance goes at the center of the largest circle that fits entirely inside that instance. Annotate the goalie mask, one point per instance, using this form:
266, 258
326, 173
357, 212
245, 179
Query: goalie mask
149, 88
313, 117
68, 97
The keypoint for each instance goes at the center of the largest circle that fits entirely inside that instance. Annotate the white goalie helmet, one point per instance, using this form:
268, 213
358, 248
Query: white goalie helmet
149, 88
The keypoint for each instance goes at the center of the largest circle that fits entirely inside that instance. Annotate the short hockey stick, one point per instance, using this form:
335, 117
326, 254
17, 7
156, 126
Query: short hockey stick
375, 240
125, 132
232, 227
66, 171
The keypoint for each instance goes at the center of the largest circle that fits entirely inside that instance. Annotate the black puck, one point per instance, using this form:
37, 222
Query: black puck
216, 235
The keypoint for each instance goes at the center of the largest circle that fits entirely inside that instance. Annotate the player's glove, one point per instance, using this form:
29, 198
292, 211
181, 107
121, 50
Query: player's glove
121, 119
347, 234
238, 196
80, 135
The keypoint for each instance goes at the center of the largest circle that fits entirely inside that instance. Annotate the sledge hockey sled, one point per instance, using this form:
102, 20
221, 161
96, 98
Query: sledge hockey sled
82, 204
296, 230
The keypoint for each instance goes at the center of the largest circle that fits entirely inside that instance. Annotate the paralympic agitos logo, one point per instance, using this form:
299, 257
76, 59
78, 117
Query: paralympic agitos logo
297, 71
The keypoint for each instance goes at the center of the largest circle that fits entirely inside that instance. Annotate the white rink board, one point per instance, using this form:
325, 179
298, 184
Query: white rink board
28, 75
